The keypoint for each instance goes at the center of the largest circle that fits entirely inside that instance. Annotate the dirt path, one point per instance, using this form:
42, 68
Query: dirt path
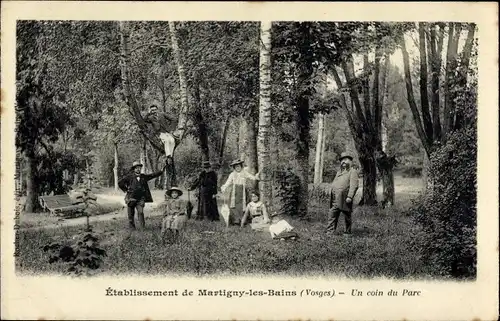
119, 214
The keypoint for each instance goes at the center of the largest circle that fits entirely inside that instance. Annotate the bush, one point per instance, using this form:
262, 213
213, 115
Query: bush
319, 194
448, 213
80, 256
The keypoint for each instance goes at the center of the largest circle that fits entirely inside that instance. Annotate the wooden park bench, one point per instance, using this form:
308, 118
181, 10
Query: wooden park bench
57, 204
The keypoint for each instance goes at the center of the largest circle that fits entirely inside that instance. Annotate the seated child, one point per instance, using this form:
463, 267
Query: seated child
256, 213
175, 216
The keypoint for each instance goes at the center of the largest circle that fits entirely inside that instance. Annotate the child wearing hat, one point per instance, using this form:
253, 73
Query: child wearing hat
175, 216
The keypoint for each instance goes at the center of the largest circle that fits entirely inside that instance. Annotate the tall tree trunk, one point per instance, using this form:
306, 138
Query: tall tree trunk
388, 183
436, 46
305, 72
223, 138
115, 167
263, 145
363, 130
147, 161
463, 71
251, 151
201, 125
385, 163
377, 103
369, 166
143, 157
31, 204
241, 144
318, 161
181, 125
424, 94
451, 63
424, 138
323, 149
384, 137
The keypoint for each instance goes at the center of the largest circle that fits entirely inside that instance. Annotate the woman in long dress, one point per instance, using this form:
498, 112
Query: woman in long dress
236, 184
207, 184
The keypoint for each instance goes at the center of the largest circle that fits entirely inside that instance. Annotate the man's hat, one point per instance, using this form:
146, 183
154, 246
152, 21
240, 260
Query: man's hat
236, 162
173, 188
205, 164
135, 164
346, 155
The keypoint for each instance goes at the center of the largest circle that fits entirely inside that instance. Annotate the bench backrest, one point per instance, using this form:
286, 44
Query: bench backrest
57, 201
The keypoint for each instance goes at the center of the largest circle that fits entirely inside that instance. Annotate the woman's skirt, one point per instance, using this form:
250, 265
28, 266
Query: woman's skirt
239, 204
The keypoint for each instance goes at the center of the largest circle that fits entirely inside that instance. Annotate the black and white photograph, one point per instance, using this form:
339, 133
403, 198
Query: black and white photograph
232, 148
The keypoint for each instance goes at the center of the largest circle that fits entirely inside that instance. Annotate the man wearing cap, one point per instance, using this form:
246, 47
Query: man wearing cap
344, 188
135, 185
207, 184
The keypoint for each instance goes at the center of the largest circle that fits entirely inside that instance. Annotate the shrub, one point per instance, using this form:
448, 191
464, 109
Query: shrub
319, 194
80, 257
448, 213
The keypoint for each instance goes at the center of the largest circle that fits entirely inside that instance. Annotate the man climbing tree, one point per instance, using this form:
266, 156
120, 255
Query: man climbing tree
164, 126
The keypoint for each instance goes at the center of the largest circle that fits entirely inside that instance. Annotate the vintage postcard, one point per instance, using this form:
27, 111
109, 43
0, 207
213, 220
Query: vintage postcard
249, 160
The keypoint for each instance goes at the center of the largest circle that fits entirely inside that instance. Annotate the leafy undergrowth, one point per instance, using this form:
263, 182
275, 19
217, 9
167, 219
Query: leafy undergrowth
381, 246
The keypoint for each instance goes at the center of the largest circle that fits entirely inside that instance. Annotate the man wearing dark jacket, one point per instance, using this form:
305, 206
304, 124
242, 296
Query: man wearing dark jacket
344, 187
135, 185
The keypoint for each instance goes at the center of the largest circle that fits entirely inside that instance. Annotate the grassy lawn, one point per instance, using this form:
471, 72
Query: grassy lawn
381, 246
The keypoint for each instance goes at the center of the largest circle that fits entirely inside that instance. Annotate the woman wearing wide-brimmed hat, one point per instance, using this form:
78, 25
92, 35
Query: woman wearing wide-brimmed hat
237, 185
207, 184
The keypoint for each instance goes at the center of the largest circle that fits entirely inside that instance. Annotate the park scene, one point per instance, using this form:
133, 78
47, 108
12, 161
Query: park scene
204, 148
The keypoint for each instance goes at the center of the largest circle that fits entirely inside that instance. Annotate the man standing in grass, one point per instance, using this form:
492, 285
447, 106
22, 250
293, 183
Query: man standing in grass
344, 188
136, 186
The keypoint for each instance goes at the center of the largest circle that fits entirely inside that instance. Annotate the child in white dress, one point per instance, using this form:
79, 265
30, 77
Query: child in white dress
256, 212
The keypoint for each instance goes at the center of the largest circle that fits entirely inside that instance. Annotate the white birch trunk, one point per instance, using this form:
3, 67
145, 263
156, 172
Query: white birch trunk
263, 137
318, 161
115, 167
181, 125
